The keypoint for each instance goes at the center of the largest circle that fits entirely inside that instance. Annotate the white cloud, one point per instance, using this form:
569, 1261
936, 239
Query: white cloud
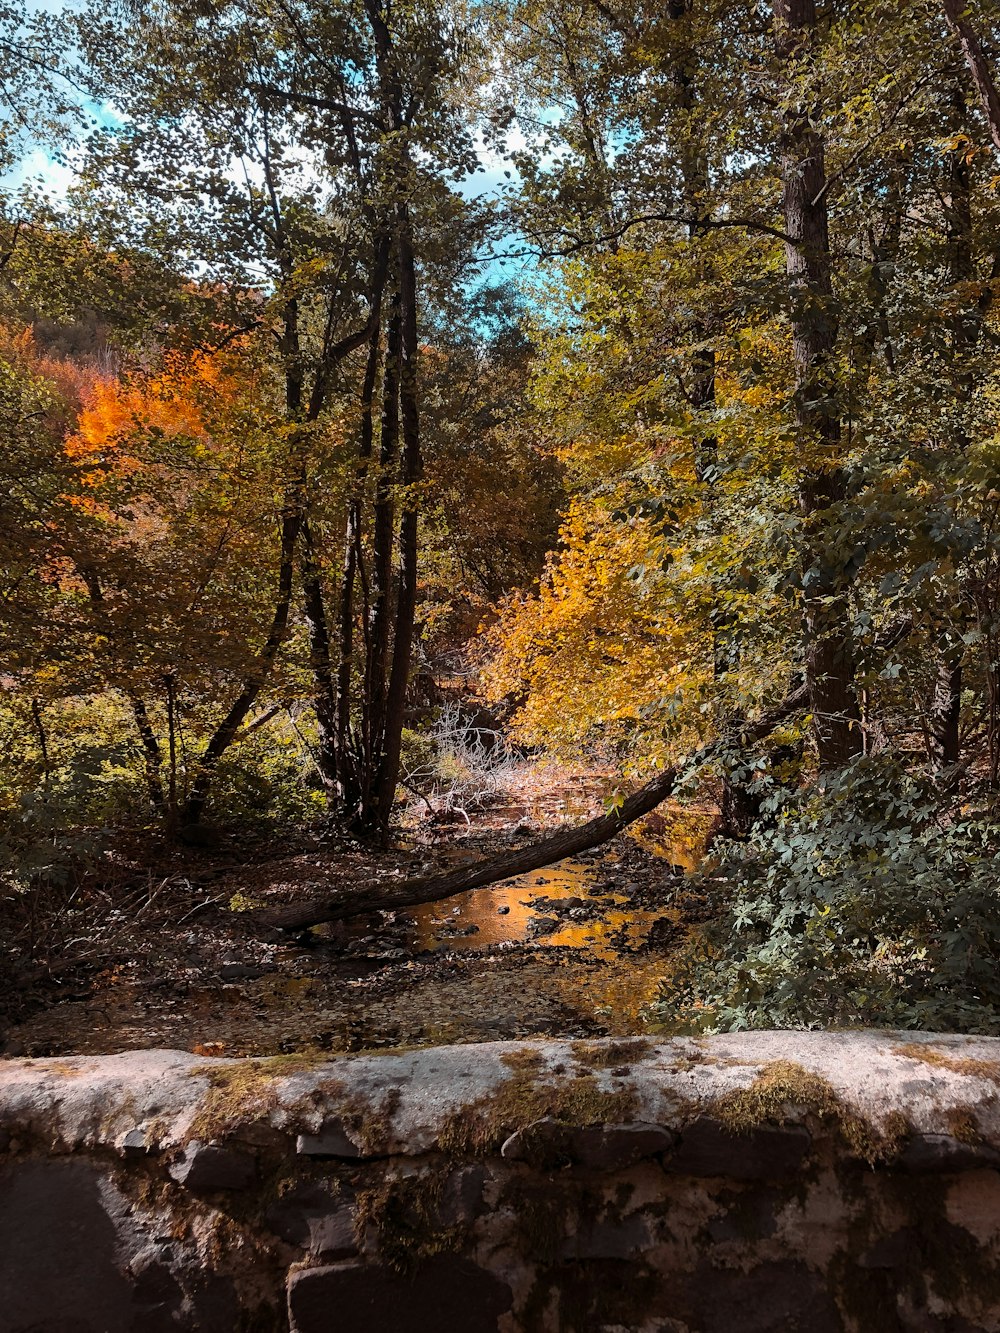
41, 173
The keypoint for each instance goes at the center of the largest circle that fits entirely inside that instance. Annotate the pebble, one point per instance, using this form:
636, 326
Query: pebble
503, 911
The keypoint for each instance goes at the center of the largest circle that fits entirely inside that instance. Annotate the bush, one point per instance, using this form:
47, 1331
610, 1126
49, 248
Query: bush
268, 780
861, 904
462, 761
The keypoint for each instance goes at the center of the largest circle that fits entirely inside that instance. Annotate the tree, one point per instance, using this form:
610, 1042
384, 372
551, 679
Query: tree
958, 20
313, 241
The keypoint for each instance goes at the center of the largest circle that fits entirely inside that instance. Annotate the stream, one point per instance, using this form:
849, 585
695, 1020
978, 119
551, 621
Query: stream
590, 915
580, 903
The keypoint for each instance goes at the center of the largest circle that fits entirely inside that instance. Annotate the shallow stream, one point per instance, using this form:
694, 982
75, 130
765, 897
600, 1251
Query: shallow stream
591, 900
600, 919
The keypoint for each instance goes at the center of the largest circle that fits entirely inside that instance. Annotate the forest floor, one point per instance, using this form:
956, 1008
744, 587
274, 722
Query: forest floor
178, 961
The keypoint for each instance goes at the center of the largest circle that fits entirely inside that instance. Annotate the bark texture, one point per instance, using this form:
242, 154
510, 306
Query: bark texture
815, 327
956, 12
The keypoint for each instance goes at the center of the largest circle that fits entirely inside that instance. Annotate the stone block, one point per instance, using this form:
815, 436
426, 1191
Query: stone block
544, 1144
780, 1297
934, 1153
332, 1235
601, 1295
896, 1250
444, 1295
461, 1199
617, 1147
153, 1284
608, 1237
313, 1218
548, 1144
137, 1144
333, 1140
208, 1168
63, 1231
749, 1217
766, 1152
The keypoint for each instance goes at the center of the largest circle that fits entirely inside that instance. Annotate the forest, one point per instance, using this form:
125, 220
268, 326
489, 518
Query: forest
461, 449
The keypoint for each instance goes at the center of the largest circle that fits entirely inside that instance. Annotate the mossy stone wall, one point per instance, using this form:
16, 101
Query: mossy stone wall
843, 1182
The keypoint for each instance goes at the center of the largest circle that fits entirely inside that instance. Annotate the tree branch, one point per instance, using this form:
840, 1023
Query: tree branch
693, 224
567, 842
323, 103
955, 12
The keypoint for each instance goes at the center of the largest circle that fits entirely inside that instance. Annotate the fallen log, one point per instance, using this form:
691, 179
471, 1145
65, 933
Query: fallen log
537, 855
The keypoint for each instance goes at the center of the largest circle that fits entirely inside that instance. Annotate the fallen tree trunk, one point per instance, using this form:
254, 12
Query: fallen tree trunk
567, 842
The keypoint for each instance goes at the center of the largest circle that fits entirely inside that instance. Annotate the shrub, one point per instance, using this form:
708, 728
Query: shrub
860, 904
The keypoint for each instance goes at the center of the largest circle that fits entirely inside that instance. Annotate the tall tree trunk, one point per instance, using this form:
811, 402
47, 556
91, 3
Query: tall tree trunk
944, 717
383, 542
350, 762
412, 470
321, 663
389, 676
826, 610
956, 12
332, 700
151, 752
945, 710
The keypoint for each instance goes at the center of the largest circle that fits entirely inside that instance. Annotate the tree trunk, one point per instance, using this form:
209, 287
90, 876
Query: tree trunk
945, 710
350, 762
324, 690
339, 761
808, 265
567, 842
955, 12
151, 752
383, 540
412, 470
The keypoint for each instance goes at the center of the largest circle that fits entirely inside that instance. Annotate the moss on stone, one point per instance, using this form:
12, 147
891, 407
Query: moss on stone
370, 1126
988, 1070
236, 1095
784, 1086
541, 1212
481, 1127
778, 1087
123, 1110
605, 1055
963, 1125
243, 1092
404, 1213
523, 1059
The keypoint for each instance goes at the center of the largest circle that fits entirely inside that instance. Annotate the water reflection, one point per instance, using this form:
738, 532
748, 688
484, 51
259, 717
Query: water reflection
603, 922
608, 926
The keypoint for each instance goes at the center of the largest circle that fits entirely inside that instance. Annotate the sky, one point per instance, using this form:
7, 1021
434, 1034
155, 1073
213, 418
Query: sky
43, 172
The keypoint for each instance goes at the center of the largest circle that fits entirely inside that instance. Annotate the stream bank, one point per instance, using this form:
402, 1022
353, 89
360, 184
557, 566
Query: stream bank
572, 951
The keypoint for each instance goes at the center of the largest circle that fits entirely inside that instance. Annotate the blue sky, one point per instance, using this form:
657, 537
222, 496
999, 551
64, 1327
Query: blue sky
41, 171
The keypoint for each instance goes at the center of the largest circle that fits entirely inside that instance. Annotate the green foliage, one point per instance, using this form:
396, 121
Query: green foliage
267, 781
863, 904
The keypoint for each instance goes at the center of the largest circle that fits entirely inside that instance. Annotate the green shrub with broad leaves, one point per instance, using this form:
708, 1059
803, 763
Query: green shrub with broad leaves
864, 903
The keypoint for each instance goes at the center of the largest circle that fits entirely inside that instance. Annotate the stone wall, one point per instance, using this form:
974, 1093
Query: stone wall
769, 1181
